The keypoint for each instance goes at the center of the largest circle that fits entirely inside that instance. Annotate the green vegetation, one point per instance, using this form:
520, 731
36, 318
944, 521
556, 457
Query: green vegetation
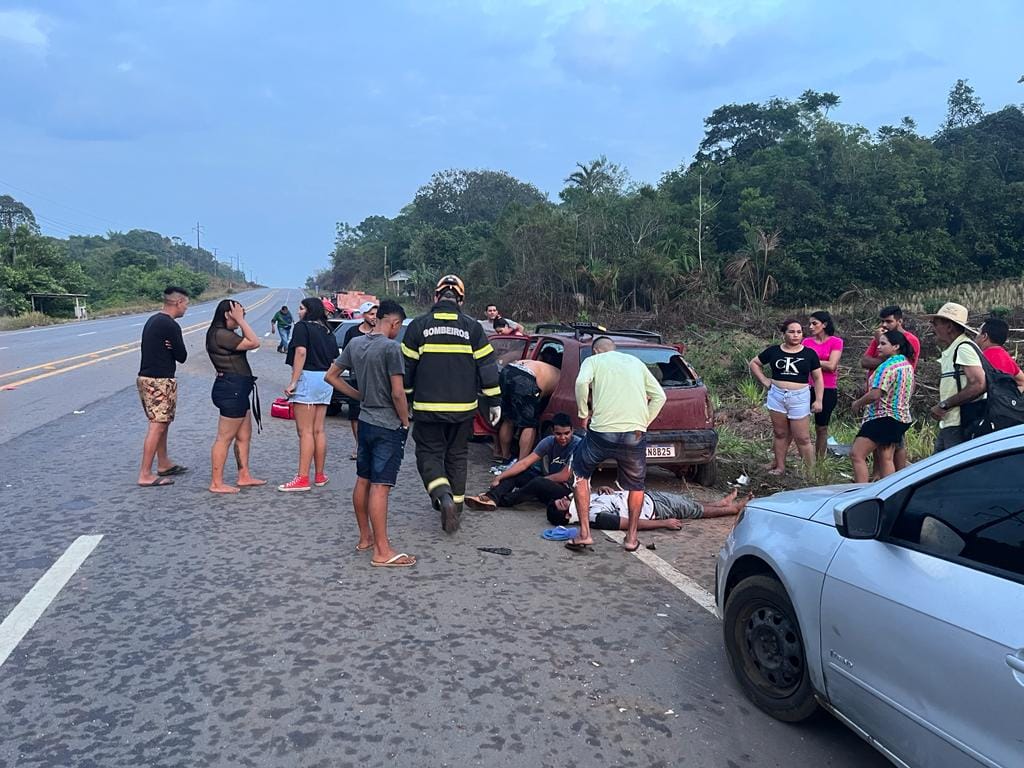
114, 270
781, 206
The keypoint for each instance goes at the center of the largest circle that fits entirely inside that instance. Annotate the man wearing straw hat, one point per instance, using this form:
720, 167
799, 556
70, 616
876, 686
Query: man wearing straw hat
962, 385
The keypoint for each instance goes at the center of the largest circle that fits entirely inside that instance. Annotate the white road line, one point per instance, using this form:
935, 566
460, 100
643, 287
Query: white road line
679, 580
88, 333
135, 325
27, 612
4, 347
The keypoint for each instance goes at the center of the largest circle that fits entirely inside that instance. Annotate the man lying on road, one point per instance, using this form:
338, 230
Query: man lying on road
526, 481
609, 510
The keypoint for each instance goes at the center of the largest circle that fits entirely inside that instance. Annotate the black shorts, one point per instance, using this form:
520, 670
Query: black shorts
520, 396
231, 393
884, 431
828, 404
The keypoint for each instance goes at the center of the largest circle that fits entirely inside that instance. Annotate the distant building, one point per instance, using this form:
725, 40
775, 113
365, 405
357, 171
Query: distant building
398, 282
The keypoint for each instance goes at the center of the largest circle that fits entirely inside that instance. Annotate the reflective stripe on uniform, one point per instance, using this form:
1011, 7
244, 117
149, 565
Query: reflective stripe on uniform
445, 316
458, 499
492, 391
461, 349
484, 351
444, 407
437, 483
409, 352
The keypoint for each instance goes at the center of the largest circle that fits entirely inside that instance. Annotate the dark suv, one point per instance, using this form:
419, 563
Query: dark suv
682, 436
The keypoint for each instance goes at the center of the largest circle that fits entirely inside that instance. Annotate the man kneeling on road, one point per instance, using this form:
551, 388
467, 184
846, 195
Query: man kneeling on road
609, 510
524, 385
526, 481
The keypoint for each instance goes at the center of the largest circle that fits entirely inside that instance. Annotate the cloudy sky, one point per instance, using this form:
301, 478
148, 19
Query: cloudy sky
270, 122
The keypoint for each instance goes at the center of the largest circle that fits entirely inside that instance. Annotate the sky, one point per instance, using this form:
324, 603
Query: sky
271, 122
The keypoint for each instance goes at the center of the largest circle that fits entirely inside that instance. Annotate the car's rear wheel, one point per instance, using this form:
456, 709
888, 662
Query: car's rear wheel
706, 474
766, 649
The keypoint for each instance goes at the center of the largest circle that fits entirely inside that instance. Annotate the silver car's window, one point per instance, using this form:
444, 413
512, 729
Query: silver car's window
973, 515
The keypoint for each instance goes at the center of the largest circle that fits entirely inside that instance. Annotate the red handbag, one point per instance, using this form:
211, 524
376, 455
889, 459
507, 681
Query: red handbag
281, 408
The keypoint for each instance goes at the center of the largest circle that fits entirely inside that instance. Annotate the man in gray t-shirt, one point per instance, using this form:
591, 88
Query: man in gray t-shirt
376, 360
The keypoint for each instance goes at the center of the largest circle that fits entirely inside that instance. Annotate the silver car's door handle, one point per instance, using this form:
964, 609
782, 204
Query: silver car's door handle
1015, 663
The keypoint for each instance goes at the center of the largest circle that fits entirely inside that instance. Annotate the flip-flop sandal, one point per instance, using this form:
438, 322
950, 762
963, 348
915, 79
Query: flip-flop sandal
157, 483
561, 533
573, 546
632, 549
363, 549
392, 562
177, 469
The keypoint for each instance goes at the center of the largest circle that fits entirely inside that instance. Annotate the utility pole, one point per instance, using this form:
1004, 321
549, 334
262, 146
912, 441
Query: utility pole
216, 264
386, 268
198, 228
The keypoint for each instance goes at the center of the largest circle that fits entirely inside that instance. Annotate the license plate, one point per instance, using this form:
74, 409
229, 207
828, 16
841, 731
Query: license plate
661, 451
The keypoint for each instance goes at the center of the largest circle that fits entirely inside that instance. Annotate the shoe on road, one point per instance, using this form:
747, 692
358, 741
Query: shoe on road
482, 503
297, 483
449, 514
320, 481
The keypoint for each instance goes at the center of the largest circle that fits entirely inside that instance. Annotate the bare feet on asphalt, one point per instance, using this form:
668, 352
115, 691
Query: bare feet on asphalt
225, 488
248, 481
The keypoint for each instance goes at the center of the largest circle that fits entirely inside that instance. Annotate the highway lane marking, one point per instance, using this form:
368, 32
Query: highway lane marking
676, 578
32, 606
135, 325
96, 355
206, 305
88, 333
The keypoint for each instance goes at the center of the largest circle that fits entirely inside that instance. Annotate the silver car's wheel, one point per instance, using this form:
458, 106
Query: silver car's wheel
765, 649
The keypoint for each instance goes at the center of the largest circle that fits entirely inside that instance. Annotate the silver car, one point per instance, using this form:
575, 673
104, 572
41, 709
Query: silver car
898, 606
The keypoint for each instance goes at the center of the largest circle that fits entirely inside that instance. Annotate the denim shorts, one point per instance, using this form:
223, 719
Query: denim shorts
312, 389
627, 449
379, 453
231, 394
795, 403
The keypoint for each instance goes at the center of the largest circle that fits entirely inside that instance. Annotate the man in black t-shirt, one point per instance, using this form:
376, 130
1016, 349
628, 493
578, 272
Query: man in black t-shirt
162, 347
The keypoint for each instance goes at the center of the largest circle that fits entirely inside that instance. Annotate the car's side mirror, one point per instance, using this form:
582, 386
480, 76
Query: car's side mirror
859, 519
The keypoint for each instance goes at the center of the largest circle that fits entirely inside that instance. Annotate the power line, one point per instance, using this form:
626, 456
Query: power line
115, 224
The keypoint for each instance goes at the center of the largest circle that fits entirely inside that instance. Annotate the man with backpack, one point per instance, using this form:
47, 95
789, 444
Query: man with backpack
962, 384
992, 339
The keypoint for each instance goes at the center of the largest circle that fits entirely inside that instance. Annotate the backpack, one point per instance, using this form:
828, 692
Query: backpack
1004, 406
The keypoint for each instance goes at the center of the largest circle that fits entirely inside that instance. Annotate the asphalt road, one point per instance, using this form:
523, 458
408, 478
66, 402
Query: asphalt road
246, 631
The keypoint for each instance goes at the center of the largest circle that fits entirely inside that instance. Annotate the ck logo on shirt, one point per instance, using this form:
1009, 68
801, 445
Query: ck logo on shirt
787, 366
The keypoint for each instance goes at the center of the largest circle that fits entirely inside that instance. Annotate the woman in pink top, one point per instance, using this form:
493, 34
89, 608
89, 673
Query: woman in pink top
829, 348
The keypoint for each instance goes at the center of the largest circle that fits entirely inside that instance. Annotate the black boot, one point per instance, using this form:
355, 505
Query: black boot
451, 513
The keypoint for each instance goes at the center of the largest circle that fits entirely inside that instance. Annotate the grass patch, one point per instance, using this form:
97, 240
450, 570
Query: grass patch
29, 320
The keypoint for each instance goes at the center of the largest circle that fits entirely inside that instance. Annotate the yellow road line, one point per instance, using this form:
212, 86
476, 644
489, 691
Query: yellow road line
123, 349
95, 354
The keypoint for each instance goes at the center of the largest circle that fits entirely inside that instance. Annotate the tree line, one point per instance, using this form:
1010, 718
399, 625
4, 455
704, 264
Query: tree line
114, 269
781, 205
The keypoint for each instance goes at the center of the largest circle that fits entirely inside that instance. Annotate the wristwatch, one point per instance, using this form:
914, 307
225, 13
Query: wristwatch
944, 405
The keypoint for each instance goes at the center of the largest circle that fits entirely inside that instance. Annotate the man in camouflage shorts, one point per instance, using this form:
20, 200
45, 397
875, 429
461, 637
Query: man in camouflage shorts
162, 347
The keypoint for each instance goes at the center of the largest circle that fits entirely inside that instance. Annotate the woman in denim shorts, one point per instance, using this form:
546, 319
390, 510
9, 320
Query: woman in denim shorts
310, 354
232, 393
792, 365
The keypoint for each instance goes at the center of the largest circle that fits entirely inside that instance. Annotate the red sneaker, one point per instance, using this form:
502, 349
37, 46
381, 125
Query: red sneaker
320, 481
297, 483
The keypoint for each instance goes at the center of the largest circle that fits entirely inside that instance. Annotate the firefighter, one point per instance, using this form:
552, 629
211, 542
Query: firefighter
448, 363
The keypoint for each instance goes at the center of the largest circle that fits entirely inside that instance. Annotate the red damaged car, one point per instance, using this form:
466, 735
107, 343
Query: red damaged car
682, 438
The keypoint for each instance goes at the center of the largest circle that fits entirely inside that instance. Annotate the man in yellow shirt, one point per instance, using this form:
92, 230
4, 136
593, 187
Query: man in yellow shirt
962, 384
617, 398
